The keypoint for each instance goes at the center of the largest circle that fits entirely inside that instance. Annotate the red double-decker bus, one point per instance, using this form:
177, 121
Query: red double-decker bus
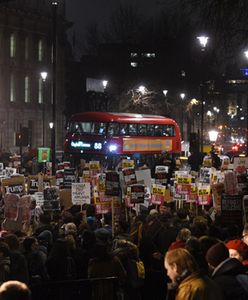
105, 133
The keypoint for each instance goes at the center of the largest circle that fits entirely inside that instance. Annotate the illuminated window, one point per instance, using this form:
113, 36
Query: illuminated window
26, 48
134, 64
148, 55
40, 91
12, 88
134, 54
12, 45
27, 90
40, 50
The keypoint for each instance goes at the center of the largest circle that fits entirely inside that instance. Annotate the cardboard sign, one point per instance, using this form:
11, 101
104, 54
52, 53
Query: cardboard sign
112, 184
240, 164
69, 177
33, 183
80, 193
14, 185
65, 198
231, 209
144, 176
129, 176
137, 193
44, 155
39, 198
127, 163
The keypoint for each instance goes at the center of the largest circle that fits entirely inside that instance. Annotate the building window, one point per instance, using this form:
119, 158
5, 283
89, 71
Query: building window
27, 89
148, 55
133, 54
12, 88
40, 50
134, 64
40, 91
26, 48
12, 45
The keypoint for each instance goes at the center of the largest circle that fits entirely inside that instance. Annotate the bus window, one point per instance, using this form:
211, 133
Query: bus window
132, 129
142, 129
123, 129
168, 130
100, 128
150, 129
113, 129
158, 130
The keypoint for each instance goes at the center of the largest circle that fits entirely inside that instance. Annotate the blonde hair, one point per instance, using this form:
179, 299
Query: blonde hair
182, 258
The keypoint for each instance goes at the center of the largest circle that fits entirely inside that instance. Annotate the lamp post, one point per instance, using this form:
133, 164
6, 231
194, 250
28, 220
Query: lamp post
43, 77
246, 55
54, 83
203, 40
105, 83
182, 96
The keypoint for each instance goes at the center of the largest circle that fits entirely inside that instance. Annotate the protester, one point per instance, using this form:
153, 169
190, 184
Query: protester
14, 290
186, 278
238, 249
225, 271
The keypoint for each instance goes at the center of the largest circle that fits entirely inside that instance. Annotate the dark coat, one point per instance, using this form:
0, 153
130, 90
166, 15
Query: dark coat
225, 276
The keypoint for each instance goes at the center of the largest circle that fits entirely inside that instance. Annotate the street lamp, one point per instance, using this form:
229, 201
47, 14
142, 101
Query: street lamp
43, 77
182, 95
104, 83
213, 135
142, 89
165, 92
246, 55
203, 40
54, 82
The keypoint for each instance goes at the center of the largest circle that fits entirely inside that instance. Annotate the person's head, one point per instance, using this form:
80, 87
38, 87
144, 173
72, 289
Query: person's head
183, 234
12, 241
4, 249
164, 209
14, 290
216, 255
178, 263
245, 234
237, 249
30, 244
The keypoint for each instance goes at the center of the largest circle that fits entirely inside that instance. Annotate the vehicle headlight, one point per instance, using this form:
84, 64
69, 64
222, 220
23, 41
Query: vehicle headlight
112, 147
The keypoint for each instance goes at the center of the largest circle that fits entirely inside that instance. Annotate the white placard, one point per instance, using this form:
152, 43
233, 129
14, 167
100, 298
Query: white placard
145, 176
39, 198
80, 193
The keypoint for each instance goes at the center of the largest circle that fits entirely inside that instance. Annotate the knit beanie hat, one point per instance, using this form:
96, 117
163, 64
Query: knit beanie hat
217, 254
238, 245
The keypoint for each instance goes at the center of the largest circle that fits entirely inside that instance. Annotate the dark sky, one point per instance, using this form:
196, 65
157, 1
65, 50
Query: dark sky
83, 12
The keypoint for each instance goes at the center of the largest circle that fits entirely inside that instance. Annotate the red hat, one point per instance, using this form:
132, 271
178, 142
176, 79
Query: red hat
238, 245
217, 254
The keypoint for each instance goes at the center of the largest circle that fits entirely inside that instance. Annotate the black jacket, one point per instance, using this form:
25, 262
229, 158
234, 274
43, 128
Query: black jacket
225, 276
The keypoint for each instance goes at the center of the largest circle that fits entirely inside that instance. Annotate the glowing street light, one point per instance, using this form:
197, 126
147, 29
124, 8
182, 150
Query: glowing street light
165, 92
105, 83
213, 135
182, 95
43, 76
142, 89
203, 40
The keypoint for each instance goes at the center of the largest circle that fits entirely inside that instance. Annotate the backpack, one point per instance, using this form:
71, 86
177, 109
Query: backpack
135, 273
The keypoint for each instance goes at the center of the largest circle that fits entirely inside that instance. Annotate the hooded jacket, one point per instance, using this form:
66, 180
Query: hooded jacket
225, 276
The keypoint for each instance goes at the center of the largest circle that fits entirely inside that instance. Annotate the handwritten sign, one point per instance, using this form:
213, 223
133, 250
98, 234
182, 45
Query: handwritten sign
80, 193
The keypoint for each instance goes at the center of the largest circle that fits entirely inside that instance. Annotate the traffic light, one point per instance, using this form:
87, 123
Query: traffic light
22, 137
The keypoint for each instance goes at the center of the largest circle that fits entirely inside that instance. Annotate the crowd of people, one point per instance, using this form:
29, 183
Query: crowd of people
160, 253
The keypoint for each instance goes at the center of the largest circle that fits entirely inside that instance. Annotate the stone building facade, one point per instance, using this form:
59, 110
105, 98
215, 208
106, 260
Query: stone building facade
25, 51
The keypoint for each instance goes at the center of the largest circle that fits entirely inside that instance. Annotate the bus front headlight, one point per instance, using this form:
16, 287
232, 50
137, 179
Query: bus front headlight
112, 148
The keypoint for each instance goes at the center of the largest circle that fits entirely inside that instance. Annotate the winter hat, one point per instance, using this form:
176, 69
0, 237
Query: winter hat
103, 236
238, 245
153, 212
217, 254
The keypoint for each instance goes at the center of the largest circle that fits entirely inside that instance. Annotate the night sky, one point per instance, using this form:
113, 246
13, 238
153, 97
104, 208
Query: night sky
84, 12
